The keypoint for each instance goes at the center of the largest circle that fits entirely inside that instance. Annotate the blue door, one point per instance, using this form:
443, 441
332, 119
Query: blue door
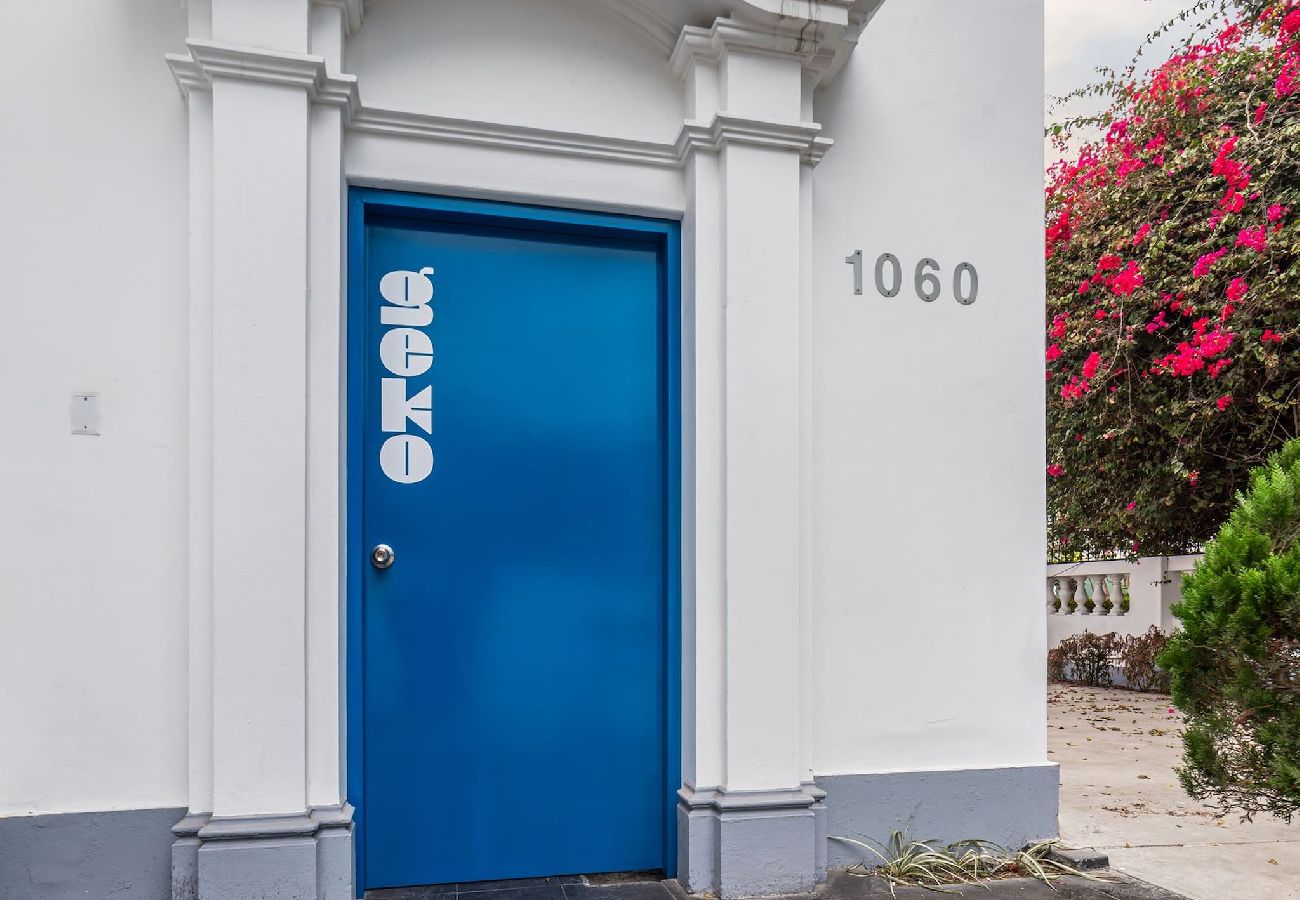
514, 671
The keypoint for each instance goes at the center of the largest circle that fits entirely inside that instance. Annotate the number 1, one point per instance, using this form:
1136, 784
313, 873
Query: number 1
855, 260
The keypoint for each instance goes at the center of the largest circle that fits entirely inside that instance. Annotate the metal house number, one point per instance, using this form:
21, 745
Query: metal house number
888, 273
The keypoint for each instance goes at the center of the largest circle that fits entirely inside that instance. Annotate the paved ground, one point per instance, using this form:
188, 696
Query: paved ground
841, 887
1118, 751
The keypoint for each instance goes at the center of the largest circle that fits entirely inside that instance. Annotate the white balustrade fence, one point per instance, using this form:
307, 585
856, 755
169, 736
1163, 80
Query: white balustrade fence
1114, 595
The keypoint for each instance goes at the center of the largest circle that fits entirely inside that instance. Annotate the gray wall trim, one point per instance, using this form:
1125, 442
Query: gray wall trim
1012, 806
749, 843
298, 857
115, 855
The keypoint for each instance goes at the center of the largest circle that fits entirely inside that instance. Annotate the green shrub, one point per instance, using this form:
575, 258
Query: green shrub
1235, 666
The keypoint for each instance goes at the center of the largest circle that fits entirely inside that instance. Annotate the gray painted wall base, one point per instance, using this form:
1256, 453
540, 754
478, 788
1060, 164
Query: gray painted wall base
751, 843
307, 857
735, 844
119, 855
1010, 806
783, 842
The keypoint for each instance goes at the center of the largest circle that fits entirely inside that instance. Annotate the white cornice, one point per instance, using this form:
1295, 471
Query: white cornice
516, 137
695, 137
822, 44
210, 60
724, 129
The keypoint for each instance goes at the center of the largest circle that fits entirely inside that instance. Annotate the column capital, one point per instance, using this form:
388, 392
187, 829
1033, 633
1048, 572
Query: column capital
208, 61
822, 44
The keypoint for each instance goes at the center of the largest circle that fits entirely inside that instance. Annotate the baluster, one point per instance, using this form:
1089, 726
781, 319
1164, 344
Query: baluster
1087, 594
1105, 595
1064, 592
1053, 601
1121, 585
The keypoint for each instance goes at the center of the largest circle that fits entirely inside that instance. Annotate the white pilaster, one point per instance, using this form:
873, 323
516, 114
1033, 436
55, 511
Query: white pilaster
267, 202
747, 248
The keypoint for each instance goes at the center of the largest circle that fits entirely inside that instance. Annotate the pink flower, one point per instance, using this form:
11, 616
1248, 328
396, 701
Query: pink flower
1128, 281
1055, 471
1285, 84
1260, 111
1058, 325
1053, 352
1142, 234
1276, 212
1108, 262
1193, 478
1131, 507
1091, 364
1157, 323
1202, 267
1237, 289
1099, 315
1270, 337
1223, 402
1254, 238
1291, 24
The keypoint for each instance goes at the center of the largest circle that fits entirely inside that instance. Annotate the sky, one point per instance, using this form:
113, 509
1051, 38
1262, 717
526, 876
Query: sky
1084, 34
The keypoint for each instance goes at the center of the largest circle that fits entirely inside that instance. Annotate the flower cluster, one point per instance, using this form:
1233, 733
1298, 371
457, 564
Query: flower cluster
1174, 292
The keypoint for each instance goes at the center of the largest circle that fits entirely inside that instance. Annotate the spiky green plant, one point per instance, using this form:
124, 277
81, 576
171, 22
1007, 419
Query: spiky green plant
937, 867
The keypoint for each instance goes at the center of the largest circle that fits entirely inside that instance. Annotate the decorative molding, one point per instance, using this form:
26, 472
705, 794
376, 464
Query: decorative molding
208, 827
643, 16
723, 801
210, 60
724, 129
822, 45
514, 137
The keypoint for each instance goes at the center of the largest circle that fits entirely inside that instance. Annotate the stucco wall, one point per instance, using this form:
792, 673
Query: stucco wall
92, 529
926, 451
448, 58
928, 417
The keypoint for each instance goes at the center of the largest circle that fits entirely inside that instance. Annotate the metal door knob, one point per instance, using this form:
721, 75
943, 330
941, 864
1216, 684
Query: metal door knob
382, 556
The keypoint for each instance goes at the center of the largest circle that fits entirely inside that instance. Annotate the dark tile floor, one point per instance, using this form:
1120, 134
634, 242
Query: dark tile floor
568, 887
840, 887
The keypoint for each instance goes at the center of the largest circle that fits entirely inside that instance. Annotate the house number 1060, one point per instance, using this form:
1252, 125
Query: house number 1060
925, 278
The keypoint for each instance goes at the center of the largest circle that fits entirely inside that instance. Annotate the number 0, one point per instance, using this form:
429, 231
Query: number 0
964, 298
889, 259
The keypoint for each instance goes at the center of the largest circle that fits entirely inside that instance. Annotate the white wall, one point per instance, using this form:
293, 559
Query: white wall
928, 418
92, 529
449, 58
927, 454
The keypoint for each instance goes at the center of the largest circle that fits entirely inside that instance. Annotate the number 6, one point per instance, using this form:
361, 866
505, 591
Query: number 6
927, 283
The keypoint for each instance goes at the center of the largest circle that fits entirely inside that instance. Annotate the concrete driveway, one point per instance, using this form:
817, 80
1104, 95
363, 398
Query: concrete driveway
1118, 750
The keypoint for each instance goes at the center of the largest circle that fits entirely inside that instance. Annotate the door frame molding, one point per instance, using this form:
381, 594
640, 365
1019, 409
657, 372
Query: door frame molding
365, 202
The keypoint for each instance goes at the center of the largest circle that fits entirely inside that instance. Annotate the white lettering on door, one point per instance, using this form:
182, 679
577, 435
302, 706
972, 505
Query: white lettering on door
406, 352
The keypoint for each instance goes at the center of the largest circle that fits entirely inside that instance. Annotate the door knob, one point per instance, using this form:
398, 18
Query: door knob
382, 556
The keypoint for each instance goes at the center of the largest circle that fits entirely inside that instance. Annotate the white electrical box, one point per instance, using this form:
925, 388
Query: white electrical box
85, 414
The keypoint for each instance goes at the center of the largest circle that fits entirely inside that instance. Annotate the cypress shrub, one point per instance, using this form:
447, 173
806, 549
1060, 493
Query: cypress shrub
1235, 666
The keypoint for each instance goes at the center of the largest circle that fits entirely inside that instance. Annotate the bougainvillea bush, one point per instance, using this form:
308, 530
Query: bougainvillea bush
1235, 665
1173, 333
